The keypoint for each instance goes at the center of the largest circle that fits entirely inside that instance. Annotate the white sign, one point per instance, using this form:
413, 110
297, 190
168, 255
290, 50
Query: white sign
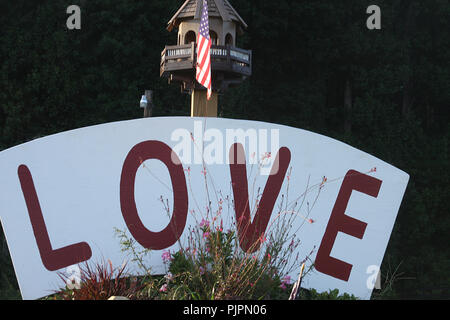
62, 196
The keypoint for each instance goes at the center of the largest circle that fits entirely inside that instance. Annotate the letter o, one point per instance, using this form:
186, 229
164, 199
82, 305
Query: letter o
138, 154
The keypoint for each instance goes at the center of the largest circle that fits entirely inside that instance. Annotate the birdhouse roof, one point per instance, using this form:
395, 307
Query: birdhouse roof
192, 9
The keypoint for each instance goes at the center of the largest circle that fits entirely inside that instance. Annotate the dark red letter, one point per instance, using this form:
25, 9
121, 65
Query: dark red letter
141, 152
52, 259
249, 233
339, 221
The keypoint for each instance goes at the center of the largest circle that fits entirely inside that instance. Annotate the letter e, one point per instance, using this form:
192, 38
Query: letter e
340, 222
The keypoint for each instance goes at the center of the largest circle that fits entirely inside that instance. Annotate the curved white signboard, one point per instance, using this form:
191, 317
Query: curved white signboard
62, 196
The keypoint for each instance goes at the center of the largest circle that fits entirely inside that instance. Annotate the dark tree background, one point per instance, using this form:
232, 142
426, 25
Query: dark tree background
316, 67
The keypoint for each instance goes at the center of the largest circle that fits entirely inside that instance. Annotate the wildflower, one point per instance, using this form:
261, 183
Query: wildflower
201, 270
286, 279
168, 277
291, 245
324, 179
204, 223
206, 235
267, 155
163, 288
166, 256
262, 238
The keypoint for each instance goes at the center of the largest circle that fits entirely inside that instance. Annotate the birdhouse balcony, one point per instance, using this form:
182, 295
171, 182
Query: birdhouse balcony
228, 63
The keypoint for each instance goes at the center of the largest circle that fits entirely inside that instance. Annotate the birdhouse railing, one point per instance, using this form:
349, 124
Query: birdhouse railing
223, 58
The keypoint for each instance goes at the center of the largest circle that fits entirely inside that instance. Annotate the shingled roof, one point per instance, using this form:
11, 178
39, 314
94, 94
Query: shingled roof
192, 9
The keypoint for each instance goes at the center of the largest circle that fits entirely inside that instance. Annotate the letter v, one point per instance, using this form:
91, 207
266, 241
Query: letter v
249, 232
52, 259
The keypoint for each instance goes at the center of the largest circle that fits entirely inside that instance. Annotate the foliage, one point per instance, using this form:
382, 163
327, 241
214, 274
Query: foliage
328, 295
210, 262
211, 271
100, 282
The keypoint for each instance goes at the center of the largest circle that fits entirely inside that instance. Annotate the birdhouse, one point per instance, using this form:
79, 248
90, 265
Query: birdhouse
230, 65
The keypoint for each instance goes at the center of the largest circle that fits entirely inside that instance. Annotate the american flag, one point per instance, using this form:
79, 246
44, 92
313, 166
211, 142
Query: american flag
203, 75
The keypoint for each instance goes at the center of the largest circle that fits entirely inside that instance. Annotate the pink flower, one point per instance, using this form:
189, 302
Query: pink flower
267, 155
204, 223
291, 244
262, 238
324, 179
286, 279
166, 256
168, 277
206, 235
283, 286
201, 270
163, 288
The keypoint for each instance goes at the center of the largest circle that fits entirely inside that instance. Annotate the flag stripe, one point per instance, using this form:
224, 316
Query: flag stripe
203, 72
206, 76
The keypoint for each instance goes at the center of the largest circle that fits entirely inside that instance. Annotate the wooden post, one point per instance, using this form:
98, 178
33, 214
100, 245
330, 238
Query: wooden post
202, 107
149, 108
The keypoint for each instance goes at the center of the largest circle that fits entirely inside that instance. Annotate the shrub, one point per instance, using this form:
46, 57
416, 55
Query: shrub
100, 282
